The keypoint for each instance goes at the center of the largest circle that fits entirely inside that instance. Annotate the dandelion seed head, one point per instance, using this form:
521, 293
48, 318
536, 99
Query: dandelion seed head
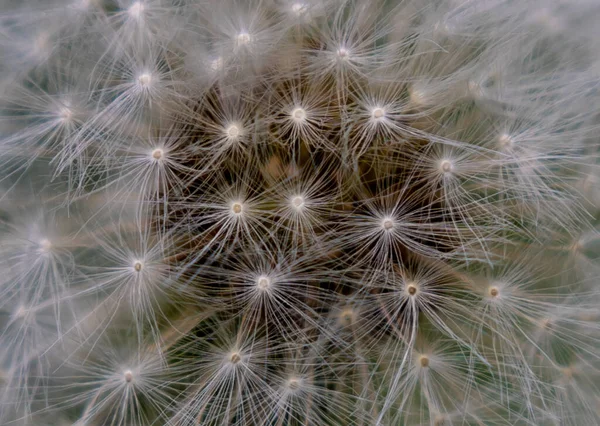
237, 208
446, 166
294, 383
298, 115
494, 291
387, 224
263, 283
234, 358
20, 313
346, 316
145, 80
297, 202
243, 38
417, 96
216, 64
157, 154
411, 289
306, 165
136, 10
298, 8
343, 53
45, 245
65, 114
378, 113
233, 131
505, 141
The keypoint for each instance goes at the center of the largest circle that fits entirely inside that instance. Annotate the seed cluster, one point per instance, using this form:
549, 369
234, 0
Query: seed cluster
325, 212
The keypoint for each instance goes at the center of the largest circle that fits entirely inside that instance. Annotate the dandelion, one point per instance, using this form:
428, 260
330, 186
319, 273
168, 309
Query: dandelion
228, 378
299, 212
120, 383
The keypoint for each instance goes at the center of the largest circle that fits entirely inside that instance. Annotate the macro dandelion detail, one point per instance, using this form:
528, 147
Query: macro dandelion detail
311, 213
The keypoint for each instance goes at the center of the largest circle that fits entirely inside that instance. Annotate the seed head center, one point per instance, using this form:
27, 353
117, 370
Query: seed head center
347, 316
45, 245
299, 115
234, 358
145, 79
65, 113
411, 289
298, 8
236, 208
343, 53
263, 283
136, 9
243, 38
378, 113
298, 202
505, 141
216, 64
233, 131
387, 224
293, 383
157, 154
446, 166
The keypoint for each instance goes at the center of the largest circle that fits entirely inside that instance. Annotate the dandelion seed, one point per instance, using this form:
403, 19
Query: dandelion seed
346, 317
216, 64
233, 131
297, 202
237, 208
65, 114
418, 96
446, 166
378, 113
145, 80
505, 141
243, 39
45, 245
298, 115
20, 313
294, 383
324, 212
157, 154
494, 292
387, 224
263, 283
234, 358
298, 8
343, 53
411, 289
136, 10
